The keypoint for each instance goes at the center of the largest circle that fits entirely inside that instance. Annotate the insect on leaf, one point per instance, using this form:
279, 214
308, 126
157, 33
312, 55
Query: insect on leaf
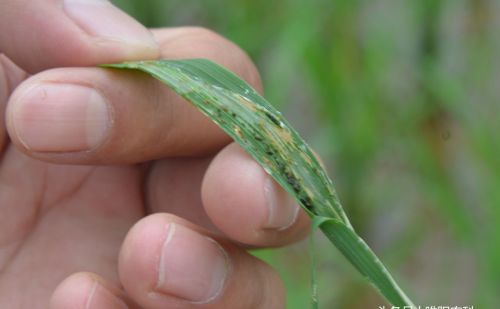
263, 132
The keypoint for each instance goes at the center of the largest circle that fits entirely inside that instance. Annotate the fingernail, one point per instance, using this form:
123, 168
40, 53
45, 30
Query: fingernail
192, 267
282, 208
60, 118
100, 297
100, 18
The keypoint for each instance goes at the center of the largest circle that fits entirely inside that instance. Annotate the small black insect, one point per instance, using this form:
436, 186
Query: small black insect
273, 119
292, 181
307, 202
281, 167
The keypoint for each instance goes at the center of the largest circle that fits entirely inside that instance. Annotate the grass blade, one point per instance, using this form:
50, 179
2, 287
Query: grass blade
262, 131
365, 261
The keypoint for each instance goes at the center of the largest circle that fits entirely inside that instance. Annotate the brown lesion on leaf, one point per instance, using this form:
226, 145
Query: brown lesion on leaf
285, 135
248, 104
239, 133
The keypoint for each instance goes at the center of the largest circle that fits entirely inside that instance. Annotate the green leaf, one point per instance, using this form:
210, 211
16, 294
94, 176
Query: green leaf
366, 262
263, 132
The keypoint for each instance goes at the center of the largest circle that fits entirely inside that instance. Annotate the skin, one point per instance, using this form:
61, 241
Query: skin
85, 229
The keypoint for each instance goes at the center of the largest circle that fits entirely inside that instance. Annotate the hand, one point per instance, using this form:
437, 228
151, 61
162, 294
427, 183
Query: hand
115, 192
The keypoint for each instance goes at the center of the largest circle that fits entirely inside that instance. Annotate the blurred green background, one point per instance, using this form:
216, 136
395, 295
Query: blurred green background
400, 98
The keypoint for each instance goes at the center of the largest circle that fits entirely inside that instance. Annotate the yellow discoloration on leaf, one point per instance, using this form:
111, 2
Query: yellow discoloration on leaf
239, 133
285, 135
247, 103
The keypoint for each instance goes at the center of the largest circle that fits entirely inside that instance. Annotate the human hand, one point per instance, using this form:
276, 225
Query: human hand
115, 192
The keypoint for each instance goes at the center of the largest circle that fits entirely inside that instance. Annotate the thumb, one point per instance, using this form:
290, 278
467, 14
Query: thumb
43, 34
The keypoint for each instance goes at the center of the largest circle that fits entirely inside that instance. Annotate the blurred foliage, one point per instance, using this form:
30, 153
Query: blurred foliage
401, 100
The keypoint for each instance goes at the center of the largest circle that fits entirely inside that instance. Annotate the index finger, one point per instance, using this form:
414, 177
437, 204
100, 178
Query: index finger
94, 115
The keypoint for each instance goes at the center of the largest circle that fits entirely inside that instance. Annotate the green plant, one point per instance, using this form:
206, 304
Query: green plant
262, 131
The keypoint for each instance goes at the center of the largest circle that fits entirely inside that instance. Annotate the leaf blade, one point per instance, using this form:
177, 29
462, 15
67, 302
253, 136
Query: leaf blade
214, 94
263, 132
